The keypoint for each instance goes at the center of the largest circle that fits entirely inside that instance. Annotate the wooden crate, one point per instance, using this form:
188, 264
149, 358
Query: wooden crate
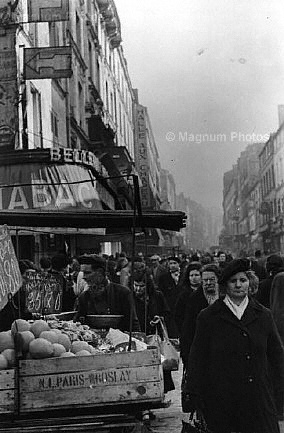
87, 381
7, 391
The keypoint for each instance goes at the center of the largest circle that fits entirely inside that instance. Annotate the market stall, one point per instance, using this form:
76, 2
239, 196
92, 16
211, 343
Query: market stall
98, 392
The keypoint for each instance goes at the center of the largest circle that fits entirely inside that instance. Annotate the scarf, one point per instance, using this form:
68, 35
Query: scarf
237, 310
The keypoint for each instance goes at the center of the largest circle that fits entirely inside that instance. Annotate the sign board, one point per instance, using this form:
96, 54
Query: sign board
142, 156
10, 275
43, 292
48, 10
48, 188
47, 62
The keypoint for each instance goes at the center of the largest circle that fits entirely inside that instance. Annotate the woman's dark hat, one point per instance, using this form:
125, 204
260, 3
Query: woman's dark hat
232, 268
94, 260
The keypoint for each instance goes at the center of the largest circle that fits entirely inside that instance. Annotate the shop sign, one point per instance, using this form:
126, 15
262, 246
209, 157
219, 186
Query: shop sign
63, 187
47, 62
10, 275
66, 155
48, 10
142, 157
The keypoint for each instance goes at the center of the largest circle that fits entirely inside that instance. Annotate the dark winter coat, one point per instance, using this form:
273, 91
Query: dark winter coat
263, 293
171, 292
277, 302
117, 300
229, 368
193, 305
156, 306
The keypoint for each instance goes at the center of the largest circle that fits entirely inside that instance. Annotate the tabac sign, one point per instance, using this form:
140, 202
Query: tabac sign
48, 10
47, 62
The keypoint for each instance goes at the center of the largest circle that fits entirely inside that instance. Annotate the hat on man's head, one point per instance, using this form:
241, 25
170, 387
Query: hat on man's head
94, 260
155, 257
233, 267
174, 258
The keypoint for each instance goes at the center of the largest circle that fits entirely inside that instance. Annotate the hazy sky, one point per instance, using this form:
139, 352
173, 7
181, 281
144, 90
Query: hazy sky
211, 74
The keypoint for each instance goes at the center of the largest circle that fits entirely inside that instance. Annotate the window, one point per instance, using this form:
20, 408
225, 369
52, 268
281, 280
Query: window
107, 101
78, 31
33, 33
90, 60
54, 124
81, 103
37, 117
54, 34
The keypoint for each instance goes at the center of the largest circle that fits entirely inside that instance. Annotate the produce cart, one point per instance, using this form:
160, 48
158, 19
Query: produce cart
96, 393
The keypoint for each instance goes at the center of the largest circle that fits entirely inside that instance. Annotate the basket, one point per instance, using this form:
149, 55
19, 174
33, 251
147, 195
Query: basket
103, 321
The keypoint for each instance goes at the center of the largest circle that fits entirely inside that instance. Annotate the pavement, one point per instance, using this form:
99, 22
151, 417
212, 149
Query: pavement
168, 420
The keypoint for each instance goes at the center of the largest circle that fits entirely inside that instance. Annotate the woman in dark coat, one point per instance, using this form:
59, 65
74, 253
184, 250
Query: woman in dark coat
236, 350
190, 282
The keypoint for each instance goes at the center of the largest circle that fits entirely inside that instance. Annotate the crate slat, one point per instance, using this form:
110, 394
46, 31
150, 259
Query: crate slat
85, 363
84, 382
89, 379
97, 396
7, 401
7, 378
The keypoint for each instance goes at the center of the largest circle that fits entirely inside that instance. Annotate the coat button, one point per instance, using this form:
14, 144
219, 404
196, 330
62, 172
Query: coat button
250, 379
244, 334
248, 357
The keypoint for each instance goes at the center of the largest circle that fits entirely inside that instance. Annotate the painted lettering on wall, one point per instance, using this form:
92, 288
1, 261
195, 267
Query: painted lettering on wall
142, 157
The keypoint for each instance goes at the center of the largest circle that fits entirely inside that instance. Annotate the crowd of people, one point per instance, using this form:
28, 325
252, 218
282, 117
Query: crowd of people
227, 314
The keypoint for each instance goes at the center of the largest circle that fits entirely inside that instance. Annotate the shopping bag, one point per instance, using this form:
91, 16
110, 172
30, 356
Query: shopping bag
170, 354
197, 424
154, 339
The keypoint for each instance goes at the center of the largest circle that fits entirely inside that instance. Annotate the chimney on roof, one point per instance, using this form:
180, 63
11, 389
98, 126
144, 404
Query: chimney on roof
280, 114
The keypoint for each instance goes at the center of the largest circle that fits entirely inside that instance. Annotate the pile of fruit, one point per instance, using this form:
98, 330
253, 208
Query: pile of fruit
41, 339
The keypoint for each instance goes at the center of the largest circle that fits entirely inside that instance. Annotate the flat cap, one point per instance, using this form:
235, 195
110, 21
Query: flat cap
155, 257
92, 259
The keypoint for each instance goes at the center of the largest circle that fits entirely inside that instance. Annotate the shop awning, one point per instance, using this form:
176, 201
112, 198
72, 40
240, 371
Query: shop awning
169, 220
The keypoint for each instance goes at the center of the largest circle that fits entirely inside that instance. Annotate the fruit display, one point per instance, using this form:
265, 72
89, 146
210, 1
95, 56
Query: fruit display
42, 339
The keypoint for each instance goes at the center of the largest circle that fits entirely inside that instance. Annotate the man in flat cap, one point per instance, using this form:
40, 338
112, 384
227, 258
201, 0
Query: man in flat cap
103, 296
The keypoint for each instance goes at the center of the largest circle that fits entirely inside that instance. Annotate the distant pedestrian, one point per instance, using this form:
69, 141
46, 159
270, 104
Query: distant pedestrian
274, 265
190, 282
222, 259
169, 286
45, 264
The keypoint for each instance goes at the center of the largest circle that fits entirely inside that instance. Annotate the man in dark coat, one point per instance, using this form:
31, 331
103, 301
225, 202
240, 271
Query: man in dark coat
274, 265
169, 285
230, 363
103, 296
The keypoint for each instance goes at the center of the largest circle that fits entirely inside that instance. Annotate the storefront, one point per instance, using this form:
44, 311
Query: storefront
63, 200
48, 181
